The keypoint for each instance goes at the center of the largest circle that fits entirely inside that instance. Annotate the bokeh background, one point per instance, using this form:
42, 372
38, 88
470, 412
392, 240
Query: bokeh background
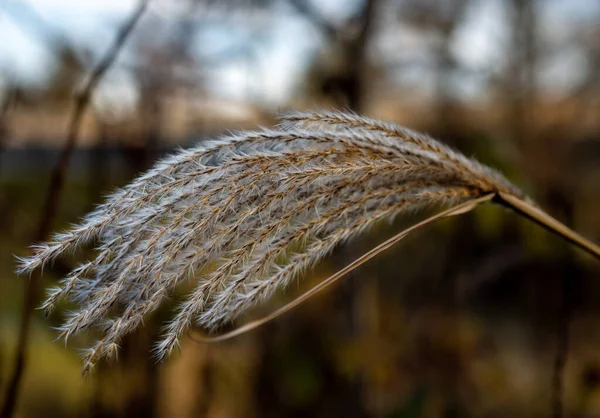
470, 318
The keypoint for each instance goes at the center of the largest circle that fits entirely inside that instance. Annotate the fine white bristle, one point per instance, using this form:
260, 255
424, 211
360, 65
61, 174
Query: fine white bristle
240, 204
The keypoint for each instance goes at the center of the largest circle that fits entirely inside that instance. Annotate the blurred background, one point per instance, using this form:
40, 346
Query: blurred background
470, 318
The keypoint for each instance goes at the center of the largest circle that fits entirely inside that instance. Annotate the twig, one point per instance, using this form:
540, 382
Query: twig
306, 9
55, 189
531, 212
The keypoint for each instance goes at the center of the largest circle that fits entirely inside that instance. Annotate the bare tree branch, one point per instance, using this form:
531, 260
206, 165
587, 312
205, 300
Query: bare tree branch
305, 8
55, 189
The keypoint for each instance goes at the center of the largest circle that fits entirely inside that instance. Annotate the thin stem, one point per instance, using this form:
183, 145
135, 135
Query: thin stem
456, 210
55, 189
531, 212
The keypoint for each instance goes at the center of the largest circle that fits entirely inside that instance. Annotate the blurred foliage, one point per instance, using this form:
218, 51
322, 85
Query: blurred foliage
457, 321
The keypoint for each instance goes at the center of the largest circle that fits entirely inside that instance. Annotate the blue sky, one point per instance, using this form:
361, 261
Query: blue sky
91, 24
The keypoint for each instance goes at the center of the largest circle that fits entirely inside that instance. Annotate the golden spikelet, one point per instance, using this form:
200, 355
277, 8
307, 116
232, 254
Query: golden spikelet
243, 202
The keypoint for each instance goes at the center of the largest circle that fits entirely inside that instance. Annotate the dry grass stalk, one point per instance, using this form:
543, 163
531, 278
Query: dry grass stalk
265, 206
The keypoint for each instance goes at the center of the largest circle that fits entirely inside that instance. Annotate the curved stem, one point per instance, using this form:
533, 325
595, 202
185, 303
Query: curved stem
541, 218
456, 210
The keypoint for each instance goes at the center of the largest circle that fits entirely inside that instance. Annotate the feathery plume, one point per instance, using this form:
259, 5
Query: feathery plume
253, 211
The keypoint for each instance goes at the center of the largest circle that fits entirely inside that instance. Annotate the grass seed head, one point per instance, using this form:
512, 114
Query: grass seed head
243, 202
